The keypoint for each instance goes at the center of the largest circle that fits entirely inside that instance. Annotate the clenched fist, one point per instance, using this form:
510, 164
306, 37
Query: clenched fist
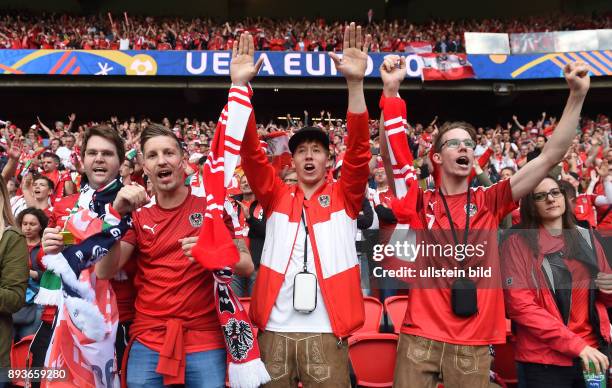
130, 198
577, 77
52, 241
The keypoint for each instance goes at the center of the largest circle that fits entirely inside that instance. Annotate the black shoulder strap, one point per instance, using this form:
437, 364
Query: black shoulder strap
252, 208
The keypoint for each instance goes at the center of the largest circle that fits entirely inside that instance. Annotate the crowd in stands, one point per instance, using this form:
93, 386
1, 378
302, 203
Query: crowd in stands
102, 32
502, 148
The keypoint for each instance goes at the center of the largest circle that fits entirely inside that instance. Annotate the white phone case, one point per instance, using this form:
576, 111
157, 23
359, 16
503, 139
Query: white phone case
305, 292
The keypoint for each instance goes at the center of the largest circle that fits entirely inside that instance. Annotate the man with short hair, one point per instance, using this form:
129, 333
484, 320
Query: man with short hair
176, 337
450, 336
307, 297
539, 146
126, 170
37, 190
61, 179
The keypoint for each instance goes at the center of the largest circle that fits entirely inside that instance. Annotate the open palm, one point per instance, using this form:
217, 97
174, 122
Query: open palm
243, 67
354, 59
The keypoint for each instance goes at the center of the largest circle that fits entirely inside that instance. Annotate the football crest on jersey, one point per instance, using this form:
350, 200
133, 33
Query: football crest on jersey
472, 210
195, 219
324, 200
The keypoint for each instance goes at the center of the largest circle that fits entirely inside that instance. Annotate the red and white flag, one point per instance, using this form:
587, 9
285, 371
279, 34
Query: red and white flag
440, 67
419, 47
88, 359
278, 148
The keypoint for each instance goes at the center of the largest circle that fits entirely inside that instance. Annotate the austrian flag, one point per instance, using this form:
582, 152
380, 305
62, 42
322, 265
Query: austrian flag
441, 67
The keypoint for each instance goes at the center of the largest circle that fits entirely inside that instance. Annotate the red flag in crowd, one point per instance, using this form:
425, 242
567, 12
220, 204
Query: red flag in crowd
438, 67
419, 47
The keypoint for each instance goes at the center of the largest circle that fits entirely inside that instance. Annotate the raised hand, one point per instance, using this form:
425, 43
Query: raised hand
16, 149
243, 67
354, 59
392, 72
577, 77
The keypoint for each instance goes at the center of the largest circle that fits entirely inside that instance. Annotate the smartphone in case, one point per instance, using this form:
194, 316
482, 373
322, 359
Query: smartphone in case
305, 292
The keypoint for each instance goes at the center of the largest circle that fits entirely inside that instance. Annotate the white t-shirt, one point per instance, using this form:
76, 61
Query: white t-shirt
283, 317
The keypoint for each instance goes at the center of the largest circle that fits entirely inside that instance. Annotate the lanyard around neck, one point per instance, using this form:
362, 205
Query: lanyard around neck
305, 242
450, 218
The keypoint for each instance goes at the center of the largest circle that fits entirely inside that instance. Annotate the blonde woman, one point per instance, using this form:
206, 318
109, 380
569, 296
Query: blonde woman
13, 273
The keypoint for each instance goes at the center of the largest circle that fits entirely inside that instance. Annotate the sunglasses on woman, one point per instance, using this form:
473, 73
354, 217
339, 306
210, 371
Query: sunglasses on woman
543, 195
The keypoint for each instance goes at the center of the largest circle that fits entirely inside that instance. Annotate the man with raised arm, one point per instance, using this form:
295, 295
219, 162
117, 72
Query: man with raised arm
307, 297
446, 336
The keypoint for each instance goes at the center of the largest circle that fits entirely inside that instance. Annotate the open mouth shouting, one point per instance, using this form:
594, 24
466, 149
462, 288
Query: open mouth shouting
463, 162
164, 175
309, 167
100, 171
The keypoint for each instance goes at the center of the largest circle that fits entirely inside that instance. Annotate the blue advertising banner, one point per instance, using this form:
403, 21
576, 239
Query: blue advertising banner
287, 64
177, 63
534, 66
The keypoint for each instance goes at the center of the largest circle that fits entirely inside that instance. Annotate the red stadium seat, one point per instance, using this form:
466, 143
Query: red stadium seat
504, 364
373, 358
373, 315
20, 357
395, 306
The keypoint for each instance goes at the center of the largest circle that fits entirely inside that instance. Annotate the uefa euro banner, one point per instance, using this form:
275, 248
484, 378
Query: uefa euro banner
426, 66
212, 63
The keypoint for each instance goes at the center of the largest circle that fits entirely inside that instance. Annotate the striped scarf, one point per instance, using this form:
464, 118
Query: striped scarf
404, 177
215, 249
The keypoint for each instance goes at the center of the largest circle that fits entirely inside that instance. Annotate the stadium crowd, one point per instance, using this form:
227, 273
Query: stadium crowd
298, 191
104, 32
500, 146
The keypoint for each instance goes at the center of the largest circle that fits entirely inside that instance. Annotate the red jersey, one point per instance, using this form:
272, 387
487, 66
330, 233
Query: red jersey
584, 208
171, 289
59, 178
385, 198
429, 313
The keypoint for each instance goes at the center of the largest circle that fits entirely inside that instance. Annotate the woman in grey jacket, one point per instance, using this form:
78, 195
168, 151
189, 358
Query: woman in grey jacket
13, 274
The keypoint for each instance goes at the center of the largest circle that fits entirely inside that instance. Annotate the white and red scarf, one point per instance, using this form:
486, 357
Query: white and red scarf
404, 178
215, 249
